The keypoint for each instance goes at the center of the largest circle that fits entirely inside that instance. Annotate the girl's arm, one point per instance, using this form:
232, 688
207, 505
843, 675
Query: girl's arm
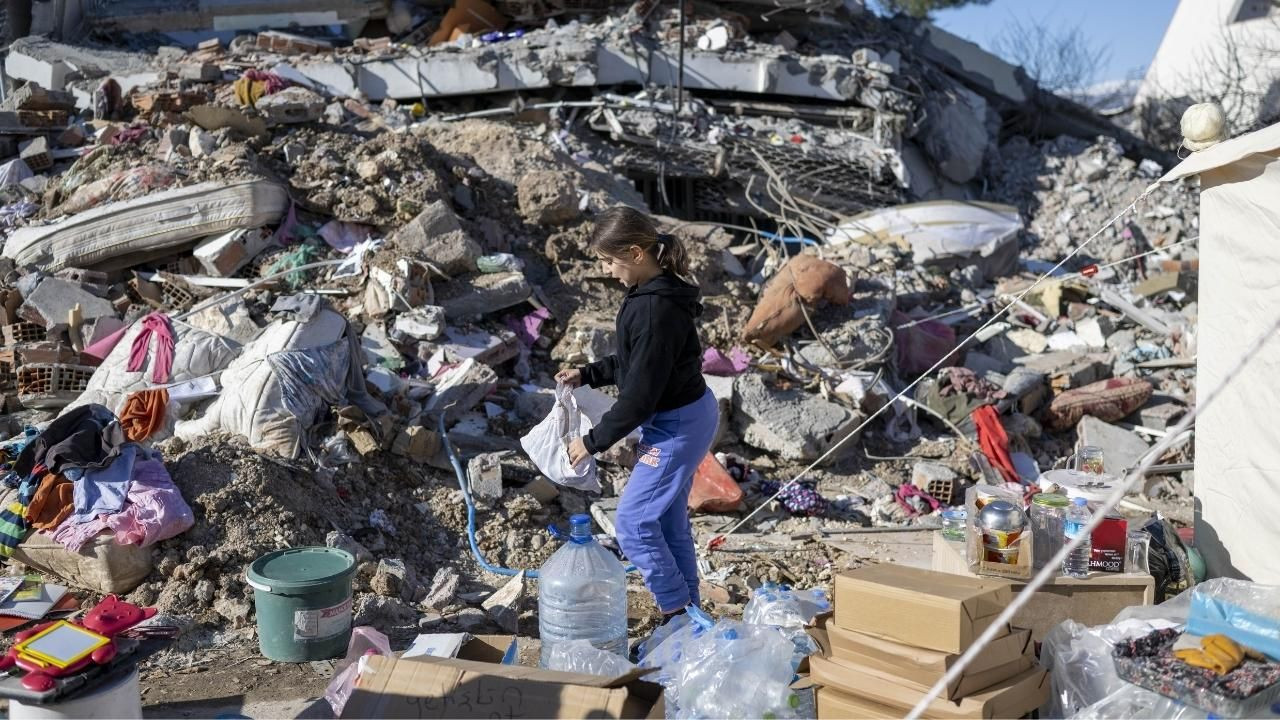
601, 373
653, 355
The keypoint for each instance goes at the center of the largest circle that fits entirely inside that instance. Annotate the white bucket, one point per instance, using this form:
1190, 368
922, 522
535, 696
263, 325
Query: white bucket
120, 699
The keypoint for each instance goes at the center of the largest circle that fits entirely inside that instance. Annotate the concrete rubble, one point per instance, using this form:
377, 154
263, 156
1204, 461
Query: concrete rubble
405, 250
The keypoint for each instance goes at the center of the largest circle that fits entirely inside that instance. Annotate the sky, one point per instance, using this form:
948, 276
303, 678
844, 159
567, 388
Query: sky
1130, 29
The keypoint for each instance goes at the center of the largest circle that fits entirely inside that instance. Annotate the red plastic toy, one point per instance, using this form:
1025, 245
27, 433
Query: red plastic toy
109, 618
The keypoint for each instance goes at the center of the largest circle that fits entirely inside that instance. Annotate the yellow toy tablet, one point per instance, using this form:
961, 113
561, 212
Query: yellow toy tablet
61, 645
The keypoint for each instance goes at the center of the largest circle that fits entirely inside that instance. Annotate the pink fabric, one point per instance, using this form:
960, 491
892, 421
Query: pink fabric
715, 362
101, 349
274, 83
74, 536
156, 511
529, 328
154, 324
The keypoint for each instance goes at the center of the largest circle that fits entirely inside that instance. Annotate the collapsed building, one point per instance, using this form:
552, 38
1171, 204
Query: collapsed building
360, 241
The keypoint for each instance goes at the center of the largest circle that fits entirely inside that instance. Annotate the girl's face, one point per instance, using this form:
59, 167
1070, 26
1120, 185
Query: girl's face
631, 269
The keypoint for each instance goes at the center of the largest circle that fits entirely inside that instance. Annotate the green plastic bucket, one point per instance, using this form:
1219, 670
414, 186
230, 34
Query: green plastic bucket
303, 602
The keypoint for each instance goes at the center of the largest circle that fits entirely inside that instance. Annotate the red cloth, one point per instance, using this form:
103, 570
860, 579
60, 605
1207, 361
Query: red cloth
157, 324
994, 442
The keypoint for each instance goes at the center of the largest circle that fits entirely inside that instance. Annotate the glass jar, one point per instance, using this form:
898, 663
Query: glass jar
953, 524
1090, 460
1048, 510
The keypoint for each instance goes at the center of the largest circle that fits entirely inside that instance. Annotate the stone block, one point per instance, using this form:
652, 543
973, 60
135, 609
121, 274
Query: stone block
490, 349
436, 235
54, 298
587, 339
420, 323
444, 589
1161, 413
290, 106
224, 255
483, 294
484, 474
461, 388
792, 423
416, 443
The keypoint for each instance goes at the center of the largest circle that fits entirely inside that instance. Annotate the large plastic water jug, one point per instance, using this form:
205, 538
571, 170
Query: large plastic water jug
582, 594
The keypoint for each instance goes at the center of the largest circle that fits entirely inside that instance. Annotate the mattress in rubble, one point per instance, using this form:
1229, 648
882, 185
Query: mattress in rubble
149, 226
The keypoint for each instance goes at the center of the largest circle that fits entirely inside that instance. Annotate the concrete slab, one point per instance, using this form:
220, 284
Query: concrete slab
792, 423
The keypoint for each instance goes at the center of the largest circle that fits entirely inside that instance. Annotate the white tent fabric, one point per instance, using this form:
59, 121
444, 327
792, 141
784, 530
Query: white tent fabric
1237, 476
941, 232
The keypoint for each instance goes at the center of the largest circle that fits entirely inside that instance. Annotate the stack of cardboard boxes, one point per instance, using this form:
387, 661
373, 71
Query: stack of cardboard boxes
897, 630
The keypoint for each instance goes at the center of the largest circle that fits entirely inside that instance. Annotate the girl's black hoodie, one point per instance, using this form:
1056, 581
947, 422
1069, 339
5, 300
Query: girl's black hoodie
658, 365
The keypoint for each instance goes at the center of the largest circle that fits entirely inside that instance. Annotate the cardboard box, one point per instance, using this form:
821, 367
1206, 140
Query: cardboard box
922, 608
430, 687
1011, 698
835, 705
1005, 657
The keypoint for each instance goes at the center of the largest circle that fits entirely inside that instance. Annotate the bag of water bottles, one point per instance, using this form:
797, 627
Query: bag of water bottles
547, 444
779, 605
726, 669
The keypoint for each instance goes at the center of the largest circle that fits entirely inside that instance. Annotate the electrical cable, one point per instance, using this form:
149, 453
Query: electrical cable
471, 512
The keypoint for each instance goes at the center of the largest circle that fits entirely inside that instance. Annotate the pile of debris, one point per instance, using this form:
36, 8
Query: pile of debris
344, 257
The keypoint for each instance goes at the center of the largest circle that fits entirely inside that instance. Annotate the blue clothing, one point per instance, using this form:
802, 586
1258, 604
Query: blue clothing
103, 491
653, 516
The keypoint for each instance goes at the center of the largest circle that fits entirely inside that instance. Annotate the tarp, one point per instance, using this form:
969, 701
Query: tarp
944, 233
1237, 475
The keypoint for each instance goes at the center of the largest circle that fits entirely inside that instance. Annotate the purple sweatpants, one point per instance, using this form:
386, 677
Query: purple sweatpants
653, 517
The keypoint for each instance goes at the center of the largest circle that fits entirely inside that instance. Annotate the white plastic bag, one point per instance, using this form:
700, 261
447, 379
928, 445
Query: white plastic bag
547, 444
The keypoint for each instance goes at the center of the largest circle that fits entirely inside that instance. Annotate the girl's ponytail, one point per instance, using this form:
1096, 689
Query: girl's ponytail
672, 255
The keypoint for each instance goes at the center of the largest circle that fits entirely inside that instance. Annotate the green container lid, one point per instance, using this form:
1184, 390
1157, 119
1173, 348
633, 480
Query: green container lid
299, 569
1052, 500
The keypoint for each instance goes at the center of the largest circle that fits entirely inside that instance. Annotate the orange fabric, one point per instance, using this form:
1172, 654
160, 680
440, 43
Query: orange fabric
52, 503
143, 413
994, 441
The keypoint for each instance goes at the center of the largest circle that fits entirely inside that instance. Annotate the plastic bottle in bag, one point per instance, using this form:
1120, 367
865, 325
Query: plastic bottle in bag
582, 595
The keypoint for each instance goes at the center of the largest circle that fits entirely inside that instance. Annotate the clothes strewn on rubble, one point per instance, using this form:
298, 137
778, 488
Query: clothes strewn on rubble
143, 413
156, 324
86, 437
994, 442
103, 491
51, 504
155, 510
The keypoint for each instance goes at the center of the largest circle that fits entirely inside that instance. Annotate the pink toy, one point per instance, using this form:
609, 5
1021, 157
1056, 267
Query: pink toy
109, 618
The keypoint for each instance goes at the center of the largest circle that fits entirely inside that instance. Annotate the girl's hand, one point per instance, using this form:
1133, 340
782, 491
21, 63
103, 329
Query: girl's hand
570, 377
577, 451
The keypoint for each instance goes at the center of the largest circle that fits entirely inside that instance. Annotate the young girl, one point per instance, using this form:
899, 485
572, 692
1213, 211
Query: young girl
658, 371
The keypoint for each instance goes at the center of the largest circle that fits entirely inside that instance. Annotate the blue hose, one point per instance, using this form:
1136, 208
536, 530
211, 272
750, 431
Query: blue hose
471, 513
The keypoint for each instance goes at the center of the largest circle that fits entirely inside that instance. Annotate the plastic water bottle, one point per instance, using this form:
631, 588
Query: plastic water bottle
582, 594
1076, 564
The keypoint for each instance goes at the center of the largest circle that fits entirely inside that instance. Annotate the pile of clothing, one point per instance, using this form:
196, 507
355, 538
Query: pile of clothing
82, 476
